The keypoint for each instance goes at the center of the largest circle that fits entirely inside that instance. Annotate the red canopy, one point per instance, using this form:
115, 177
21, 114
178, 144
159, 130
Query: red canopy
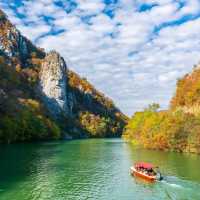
144, 165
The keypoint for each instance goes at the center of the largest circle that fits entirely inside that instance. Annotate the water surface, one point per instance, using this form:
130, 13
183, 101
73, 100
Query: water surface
93, 169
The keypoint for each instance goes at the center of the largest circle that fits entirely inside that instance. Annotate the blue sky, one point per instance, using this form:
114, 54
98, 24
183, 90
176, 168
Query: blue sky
132, 50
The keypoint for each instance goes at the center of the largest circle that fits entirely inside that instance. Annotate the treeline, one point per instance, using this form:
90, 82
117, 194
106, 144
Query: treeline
97, 126
172, 130
176, 129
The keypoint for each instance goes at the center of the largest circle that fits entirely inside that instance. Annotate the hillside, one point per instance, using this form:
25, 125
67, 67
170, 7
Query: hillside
177, 129
40, 98
187, 94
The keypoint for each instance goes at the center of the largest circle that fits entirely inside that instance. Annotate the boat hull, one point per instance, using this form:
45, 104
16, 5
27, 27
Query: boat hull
134, 172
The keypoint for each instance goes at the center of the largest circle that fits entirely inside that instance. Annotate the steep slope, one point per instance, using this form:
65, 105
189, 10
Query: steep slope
15, 46
187, 95
96, 113
177, 129
41, 99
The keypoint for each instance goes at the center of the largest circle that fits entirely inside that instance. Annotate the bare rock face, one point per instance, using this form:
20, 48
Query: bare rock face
53, 84
12, 43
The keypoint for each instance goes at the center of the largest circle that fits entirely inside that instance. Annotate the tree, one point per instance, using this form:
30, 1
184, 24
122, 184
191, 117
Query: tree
153, 107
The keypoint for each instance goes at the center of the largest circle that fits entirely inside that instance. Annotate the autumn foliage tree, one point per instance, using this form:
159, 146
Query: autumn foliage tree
164, 130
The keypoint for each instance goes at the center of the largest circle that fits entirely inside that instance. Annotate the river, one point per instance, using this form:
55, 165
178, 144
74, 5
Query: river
93, 169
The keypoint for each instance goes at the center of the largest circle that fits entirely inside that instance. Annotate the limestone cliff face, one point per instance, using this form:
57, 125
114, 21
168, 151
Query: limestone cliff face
53, 84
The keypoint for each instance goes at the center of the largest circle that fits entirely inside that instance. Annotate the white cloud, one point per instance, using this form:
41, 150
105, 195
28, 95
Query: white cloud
192, 7
102, 24
36, 30
165, 13
90, 7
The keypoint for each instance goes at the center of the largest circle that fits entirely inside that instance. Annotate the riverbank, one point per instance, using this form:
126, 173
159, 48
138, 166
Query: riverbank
171, 130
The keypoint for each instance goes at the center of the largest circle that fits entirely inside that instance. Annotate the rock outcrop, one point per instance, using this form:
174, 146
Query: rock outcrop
53, 84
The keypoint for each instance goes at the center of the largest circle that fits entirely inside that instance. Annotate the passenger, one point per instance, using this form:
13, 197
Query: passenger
150, 172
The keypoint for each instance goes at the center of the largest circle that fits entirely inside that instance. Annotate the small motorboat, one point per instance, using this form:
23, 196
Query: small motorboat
146, 171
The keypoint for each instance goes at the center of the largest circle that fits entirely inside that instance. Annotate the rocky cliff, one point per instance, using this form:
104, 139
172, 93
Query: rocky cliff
42, 99
53, 84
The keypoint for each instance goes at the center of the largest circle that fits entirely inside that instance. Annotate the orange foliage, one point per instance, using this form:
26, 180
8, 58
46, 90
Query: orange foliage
188, 90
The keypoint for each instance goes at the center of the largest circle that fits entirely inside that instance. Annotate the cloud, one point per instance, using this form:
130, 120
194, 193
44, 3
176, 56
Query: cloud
90, 7
191, 7
134, 55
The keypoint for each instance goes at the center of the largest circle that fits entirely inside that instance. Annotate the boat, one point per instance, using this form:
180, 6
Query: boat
146, 171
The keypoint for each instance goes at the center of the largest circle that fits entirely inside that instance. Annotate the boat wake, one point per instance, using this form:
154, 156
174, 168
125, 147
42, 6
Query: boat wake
173, 186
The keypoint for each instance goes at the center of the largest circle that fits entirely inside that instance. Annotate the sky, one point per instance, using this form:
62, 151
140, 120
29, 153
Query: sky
132, 50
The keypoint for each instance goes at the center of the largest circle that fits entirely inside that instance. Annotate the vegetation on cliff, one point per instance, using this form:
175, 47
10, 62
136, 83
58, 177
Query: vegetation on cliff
96, 114
176, 129
188, 91
24, 116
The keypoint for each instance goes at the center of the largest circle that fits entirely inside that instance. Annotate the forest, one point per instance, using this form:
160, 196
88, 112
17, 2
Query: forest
175, 129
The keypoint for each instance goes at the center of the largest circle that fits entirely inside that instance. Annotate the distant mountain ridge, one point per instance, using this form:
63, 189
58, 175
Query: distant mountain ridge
40, 98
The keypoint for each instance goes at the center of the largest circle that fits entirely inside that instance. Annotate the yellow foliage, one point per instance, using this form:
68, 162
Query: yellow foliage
32, 104
169, 130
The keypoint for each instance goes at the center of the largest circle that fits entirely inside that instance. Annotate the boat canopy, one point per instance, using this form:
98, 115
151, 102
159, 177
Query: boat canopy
144, 165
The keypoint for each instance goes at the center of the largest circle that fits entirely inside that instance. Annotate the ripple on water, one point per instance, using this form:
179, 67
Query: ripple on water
93, 169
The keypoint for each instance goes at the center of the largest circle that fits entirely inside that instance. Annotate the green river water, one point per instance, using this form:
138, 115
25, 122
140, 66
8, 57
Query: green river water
93, 169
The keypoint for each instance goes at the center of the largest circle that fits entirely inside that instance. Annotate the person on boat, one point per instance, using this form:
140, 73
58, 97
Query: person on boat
151, 172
